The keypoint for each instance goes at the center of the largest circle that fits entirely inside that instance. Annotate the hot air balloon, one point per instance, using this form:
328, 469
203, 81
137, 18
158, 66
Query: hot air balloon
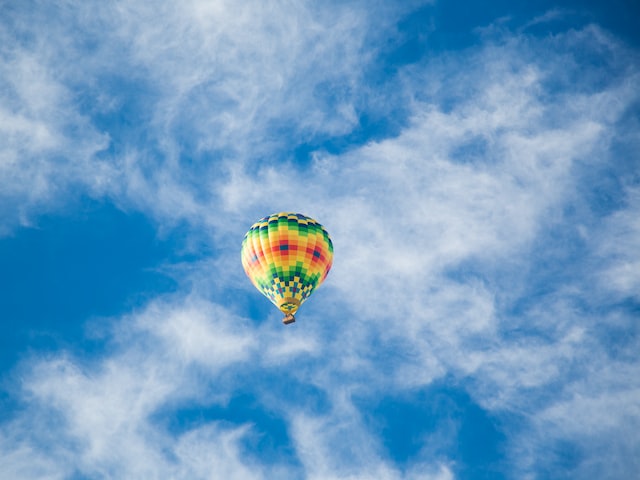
287, 256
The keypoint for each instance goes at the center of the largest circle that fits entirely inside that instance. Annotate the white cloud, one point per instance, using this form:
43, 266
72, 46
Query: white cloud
619, 247
21, 460
435, 231
596, 416
479, 184
47, 145
96, 418
210, 453
337, 446
199, 81
406, 213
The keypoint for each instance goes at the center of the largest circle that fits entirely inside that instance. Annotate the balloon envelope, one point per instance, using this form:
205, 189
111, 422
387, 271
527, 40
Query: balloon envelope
287, 256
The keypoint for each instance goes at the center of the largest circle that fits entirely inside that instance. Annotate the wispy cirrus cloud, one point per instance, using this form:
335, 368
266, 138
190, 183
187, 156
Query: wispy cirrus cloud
620, 249
47, 144
118, 99
101, 413
446, 232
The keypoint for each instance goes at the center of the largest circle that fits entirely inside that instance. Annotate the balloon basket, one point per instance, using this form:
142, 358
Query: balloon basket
289, 318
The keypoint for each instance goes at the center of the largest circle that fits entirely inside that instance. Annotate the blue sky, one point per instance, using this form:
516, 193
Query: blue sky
476, 164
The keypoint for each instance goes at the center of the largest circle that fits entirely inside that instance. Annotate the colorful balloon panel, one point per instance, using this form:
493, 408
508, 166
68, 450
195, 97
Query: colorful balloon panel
287, 256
